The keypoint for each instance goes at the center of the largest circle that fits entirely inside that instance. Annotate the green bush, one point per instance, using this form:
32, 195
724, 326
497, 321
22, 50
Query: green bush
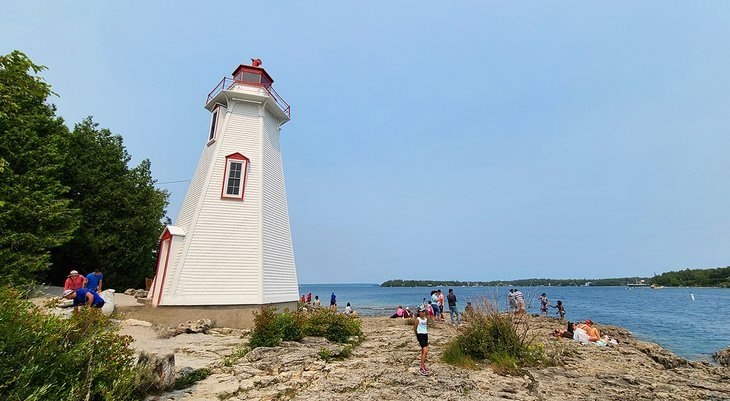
289, 326
49, 358
265, 332
271, 328
332, 326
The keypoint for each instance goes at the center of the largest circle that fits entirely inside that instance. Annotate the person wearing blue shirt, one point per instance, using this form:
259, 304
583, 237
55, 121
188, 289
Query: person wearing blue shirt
94, 281
333, 302
84, 297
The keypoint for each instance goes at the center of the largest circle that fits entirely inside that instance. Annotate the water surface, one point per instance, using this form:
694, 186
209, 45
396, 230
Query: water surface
667, 316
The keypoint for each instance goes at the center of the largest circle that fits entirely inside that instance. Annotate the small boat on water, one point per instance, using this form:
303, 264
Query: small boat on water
656, 287
640, 283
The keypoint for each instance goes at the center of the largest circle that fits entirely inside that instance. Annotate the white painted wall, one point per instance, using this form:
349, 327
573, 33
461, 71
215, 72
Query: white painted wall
235, 252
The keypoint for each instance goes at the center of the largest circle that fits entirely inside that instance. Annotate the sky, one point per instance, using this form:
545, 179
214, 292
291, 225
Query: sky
489, 140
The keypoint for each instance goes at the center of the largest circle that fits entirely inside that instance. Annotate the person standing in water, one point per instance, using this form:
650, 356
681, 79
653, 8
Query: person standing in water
420, 327
544, 302
333, 302
561, 309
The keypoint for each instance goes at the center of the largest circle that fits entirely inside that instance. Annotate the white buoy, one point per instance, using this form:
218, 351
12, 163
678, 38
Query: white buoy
692, 296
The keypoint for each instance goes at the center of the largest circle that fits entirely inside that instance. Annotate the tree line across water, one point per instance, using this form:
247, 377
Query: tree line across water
717, 277
68, 197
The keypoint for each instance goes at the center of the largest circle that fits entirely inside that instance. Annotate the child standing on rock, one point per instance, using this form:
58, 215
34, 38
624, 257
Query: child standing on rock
421, 329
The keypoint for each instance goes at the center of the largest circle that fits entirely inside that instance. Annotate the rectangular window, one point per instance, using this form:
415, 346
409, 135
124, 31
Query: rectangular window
213, 122
233, 183
234, 178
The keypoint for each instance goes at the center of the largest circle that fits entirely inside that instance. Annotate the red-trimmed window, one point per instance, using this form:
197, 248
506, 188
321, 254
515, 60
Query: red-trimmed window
234, 179
213, 125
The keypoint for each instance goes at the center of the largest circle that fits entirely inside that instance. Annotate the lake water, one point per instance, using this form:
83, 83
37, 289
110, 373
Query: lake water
667, 316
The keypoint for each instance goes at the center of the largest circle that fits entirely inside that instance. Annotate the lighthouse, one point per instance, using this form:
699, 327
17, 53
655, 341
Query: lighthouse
230, 249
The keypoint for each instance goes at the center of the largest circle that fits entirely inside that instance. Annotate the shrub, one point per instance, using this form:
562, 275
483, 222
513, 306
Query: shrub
289, 326
332, 326
270, 328
265, 333
49, 358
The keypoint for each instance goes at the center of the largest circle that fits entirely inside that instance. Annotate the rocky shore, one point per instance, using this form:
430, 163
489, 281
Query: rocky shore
385, 367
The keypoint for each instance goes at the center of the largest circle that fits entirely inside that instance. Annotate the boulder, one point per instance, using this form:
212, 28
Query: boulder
722, 357
194, 326
163, 369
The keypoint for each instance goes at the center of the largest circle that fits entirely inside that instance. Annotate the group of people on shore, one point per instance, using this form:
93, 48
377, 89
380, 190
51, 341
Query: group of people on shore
84, 290
584, 333
306, 300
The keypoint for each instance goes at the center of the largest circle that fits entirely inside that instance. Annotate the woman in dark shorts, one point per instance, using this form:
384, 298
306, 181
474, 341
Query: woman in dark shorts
421, 330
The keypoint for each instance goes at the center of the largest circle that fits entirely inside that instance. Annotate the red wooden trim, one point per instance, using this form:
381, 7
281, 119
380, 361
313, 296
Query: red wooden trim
244, 173
254, 70
164, 271
165, 236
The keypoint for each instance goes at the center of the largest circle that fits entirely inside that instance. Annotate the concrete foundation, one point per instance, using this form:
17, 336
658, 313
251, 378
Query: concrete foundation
233, 316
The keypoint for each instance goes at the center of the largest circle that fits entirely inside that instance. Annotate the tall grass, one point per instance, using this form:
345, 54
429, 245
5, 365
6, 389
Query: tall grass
502, 339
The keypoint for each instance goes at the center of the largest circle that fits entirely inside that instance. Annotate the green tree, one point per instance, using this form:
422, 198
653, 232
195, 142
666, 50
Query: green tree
35, 216
121, 210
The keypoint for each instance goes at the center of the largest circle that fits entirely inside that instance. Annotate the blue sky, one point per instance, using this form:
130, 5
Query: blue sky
493, 140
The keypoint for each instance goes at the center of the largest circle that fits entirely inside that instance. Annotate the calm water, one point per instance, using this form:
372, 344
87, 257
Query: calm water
668, 316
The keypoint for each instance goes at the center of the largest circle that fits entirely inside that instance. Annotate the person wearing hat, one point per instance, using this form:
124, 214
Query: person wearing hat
84, 297
421, 328
74, 281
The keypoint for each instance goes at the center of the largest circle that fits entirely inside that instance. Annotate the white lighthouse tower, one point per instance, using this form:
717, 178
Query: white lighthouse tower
230, 250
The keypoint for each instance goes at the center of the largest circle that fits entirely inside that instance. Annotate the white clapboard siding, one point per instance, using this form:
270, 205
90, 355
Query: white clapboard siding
280, 276
232, 251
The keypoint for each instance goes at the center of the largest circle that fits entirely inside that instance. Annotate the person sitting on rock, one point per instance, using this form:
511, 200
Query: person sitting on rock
400, 312
582, 334
565, 333
348, 309
592, 331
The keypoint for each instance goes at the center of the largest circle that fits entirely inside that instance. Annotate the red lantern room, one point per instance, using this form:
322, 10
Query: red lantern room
252, 74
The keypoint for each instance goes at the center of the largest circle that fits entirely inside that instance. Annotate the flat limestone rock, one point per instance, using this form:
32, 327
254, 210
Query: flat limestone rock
385, 367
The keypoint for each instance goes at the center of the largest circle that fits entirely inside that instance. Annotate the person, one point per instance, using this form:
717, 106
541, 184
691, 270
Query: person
85, 297
567, 332
74, 281
451, 298
309, 298
441, 304
407, 313
429, 310
333, 302
420, 327
435, 304
400, 312
544, 304
520, 299
94, 281
512, 304
561, 309
316, 300
592, 331
348, 309
303, 299
468, 310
